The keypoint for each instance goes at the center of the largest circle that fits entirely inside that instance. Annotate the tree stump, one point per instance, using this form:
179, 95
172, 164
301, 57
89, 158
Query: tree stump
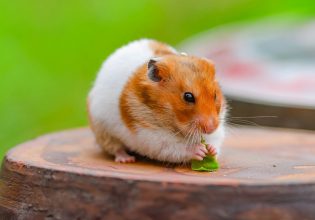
264, 174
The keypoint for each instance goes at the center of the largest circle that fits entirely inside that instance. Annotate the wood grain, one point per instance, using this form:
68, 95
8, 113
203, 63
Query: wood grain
265, 174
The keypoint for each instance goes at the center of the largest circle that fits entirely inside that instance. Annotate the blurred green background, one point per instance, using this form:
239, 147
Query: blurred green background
52, 50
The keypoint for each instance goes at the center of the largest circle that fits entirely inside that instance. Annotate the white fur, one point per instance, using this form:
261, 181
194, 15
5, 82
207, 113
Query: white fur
104, 107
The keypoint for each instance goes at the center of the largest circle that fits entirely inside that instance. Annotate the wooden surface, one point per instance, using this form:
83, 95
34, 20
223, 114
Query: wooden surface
265, 174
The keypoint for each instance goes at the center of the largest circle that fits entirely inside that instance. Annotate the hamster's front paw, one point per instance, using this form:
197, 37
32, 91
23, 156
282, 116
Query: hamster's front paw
211, 150
121, 156
199, 152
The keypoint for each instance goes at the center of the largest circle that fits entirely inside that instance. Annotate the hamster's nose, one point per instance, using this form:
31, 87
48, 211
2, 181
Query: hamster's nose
207, 125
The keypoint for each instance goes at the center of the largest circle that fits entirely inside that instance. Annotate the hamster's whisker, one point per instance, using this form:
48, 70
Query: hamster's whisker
175, 134
191, 130
243, 124
234, 124
246, 122
241, 120
187, 135
181, 130
192, 137
259, 116
200, 133
196, 134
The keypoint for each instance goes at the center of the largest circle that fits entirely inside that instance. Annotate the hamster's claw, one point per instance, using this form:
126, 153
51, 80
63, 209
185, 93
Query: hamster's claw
121, 156
211, 150
200, 151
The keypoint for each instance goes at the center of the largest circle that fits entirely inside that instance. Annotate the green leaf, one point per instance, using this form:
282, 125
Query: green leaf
207, 164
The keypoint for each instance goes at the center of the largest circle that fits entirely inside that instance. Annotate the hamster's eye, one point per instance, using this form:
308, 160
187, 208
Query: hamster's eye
189, 97
215, 96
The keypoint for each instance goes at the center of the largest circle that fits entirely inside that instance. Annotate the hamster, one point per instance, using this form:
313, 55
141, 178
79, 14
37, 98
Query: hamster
152, 100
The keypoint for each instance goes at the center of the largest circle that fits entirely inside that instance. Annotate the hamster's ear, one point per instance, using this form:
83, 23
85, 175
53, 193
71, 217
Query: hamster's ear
208, 60
210, 67
153, 70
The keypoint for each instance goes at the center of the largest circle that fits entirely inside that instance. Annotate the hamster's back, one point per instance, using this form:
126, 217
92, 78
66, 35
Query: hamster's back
113, 75
117, 68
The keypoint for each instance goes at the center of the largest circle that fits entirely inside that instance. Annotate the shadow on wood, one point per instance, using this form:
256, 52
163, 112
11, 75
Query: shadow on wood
265, 174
